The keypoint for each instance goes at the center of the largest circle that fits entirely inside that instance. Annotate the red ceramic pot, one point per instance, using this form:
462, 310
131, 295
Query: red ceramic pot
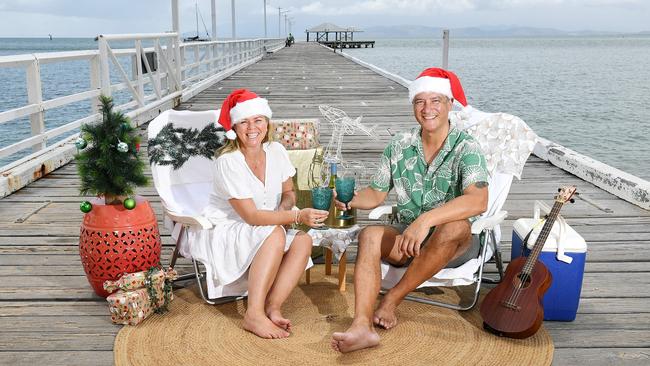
114, 241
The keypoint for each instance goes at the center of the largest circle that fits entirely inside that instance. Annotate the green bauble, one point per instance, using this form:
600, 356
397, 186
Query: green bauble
129, 203
80, 143
125, 126
86, 206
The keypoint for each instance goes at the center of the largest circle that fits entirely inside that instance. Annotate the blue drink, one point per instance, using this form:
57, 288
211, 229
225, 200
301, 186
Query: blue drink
345, 193
321, 197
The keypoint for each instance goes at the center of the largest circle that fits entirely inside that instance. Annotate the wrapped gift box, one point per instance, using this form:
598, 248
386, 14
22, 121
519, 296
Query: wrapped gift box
132, 307
133, 281
132, 303
297, 134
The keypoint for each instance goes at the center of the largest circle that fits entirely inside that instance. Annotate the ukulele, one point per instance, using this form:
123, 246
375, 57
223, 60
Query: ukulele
514, 308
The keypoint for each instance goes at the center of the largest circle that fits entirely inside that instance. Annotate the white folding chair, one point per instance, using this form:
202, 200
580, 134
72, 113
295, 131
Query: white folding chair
184, 182
184, 189
506, 142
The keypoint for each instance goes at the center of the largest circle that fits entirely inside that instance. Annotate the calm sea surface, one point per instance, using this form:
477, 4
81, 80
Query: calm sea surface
57, 79
589, 94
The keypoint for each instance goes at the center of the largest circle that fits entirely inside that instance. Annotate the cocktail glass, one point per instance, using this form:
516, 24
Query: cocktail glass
345, 193
321, 197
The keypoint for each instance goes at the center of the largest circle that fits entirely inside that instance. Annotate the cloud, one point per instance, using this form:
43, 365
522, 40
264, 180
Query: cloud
92, 17
383, 7
506, 4
418, 7
94, 9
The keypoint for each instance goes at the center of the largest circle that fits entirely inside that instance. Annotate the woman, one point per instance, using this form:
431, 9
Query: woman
252, 198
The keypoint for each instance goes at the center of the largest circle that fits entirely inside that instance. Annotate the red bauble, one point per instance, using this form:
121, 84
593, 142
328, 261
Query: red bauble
114, 241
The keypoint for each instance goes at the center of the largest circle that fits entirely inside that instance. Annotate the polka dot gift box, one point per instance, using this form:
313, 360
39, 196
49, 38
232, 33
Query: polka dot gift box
294, 134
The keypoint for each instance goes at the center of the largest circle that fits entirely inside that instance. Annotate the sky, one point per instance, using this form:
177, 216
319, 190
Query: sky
88, 18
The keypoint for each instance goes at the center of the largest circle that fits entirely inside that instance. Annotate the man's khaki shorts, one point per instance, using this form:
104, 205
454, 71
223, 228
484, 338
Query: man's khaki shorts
470, 253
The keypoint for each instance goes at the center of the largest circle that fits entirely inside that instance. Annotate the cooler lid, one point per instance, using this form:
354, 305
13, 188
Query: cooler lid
572, 241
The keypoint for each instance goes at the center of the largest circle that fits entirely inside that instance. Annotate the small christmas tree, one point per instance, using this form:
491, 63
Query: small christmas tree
108, 162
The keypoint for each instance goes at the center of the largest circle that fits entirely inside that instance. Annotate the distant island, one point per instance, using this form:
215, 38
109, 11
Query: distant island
418, 31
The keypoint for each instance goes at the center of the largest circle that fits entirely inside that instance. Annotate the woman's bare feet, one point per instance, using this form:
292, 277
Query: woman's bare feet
276, 317
385, 315
263, 327
357, 337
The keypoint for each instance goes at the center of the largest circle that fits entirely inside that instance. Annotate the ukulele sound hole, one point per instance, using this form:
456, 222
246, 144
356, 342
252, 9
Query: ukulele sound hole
522, 280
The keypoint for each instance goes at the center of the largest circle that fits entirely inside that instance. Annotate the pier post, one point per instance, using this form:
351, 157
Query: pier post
175, 20
232, 7
265, 33
35, 97
213, 6
105, 75
95, 81
213, 49
445, 48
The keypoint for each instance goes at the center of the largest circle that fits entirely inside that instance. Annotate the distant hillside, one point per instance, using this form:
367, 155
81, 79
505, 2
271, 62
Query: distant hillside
399, 31
416, 31
506, 32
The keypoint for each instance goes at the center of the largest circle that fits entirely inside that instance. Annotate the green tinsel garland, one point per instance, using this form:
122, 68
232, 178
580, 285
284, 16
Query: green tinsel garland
175, 145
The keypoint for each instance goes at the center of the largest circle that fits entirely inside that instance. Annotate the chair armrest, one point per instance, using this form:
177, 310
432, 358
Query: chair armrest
199, 221
488, 222
380, 211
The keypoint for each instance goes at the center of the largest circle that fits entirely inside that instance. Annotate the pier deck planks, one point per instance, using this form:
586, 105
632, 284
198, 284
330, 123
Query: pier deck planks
48, 311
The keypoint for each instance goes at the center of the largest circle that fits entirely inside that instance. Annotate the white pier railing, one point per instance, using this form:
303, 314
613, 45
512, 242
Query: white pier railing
145, 73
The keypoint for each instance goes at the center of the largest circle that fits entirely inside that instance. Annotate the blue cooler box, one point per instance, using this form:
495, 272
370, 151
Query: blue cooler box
563, 297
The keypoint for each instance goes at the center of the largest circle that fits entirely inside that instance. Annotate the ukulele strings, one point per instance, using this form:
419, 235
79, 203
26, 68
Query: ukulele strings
526, 275
514, 295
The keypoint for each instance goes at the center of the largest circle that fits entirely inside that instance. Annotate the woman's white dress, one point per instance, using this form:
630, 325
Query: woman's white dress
229, 247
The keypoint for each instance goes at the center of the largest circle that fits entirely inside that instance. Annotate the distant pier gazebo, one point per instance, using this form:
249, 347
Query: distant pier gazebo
335, 36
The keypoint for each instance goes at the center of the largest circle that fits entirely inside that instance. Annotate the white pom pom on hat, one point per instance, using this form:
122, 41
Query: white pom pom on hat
239, 105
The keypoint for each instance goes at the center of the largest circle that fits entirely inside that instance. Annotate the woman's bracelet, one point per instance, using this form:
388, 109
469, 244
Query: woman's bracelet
295, 219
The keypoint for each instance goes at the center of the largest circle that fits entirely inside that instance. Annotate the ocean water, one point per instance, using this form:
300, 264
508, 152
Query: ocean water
57, 79
588, 94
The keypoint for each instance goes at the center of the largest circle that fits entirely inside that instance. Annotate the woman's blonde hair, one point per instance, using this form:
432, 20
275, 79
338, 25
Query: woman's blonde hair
233, 145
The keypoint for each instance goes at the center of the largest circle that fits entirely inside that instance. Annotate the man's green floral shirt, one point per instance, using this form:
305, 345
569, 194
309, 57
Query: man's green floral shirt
421, 187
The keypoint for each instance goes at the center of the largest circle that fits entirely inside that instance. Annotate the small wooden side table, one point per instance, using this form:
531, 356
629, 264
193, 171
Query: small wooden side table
336, 240
343, 261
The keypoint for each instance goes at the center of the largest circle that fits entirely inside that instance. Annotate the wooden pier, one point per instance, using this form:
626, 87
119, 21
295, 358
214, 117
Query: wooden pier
48, 312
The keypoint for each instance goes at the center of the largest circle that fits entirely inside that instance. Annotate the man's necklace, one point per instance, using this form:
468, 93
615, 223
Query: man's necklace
434, 155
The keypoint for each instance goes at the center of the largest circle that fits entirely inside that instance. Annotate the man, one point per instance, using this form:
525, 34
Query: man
440, 177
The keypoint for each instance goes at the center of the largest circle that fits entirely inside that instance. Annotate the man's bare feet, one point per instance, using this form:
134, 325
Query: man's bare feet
385, 315
355, 338
263, 327
276, 317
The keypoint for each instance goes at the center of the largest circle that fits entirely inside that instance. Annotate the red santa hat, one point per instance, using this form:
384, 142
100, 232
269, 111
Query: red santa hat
239, 105
439, 81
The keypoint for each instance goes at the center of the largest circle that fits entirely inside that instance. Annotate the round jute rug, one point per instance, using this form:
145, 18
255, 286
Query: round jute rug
195, 333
